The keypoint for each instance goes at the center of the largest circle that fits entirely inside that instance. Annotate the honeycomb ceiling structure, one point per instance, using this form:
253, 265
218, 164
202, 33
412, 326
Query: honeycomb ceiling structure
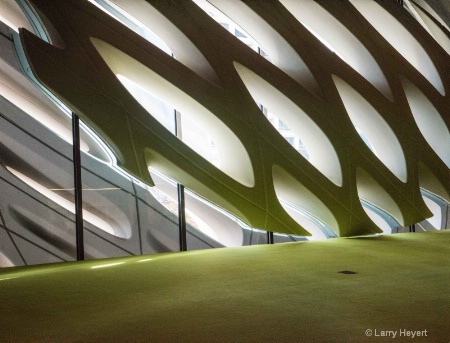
362, 83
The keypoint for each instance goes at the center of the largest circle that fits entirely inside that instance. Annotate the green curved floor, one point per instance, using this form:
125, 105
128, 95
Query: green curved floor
273, 293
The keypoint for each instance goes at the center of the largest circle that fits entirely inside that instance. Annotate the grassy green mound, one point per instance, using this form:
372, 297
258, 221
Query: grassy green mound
289, 292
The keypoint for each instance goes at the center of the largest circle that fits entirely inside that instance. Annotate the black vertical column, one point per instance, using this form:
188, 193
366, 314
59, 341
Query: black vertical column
181, 198
181, 217
78, 187
269, 237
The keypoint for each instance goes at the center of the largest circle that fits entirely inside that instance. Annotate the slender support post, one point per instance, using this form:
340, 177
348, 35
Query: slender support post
180, 190
412, 228
181, 217
269, 237
78, 187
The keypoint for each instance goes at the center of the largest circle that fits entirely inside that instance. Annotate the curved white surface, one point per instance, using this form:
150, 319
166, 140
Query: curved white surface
205, 218
370, 191
12, 15
435, 31
436, 219
313, 16
68, 205
374, 127
184, 50
280, 52
234, 159
322, 154
401, 39
293, 192
429, 121
378, 221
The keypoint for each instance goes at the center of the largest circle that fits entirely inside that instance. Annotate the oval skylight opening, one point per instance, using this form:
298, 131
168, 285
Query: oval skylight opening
291, 191
366, 140
285, 131
172, 205
430, 182
432, 12
229, 148
371, 192
132, 23
429, 121
322, 154
312, 224
322, 24
401, 39
435, 31
376, 130
383, 220
212, 9
378, 221
438, 206
188, 131
172, 37
232, 13
436, 219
